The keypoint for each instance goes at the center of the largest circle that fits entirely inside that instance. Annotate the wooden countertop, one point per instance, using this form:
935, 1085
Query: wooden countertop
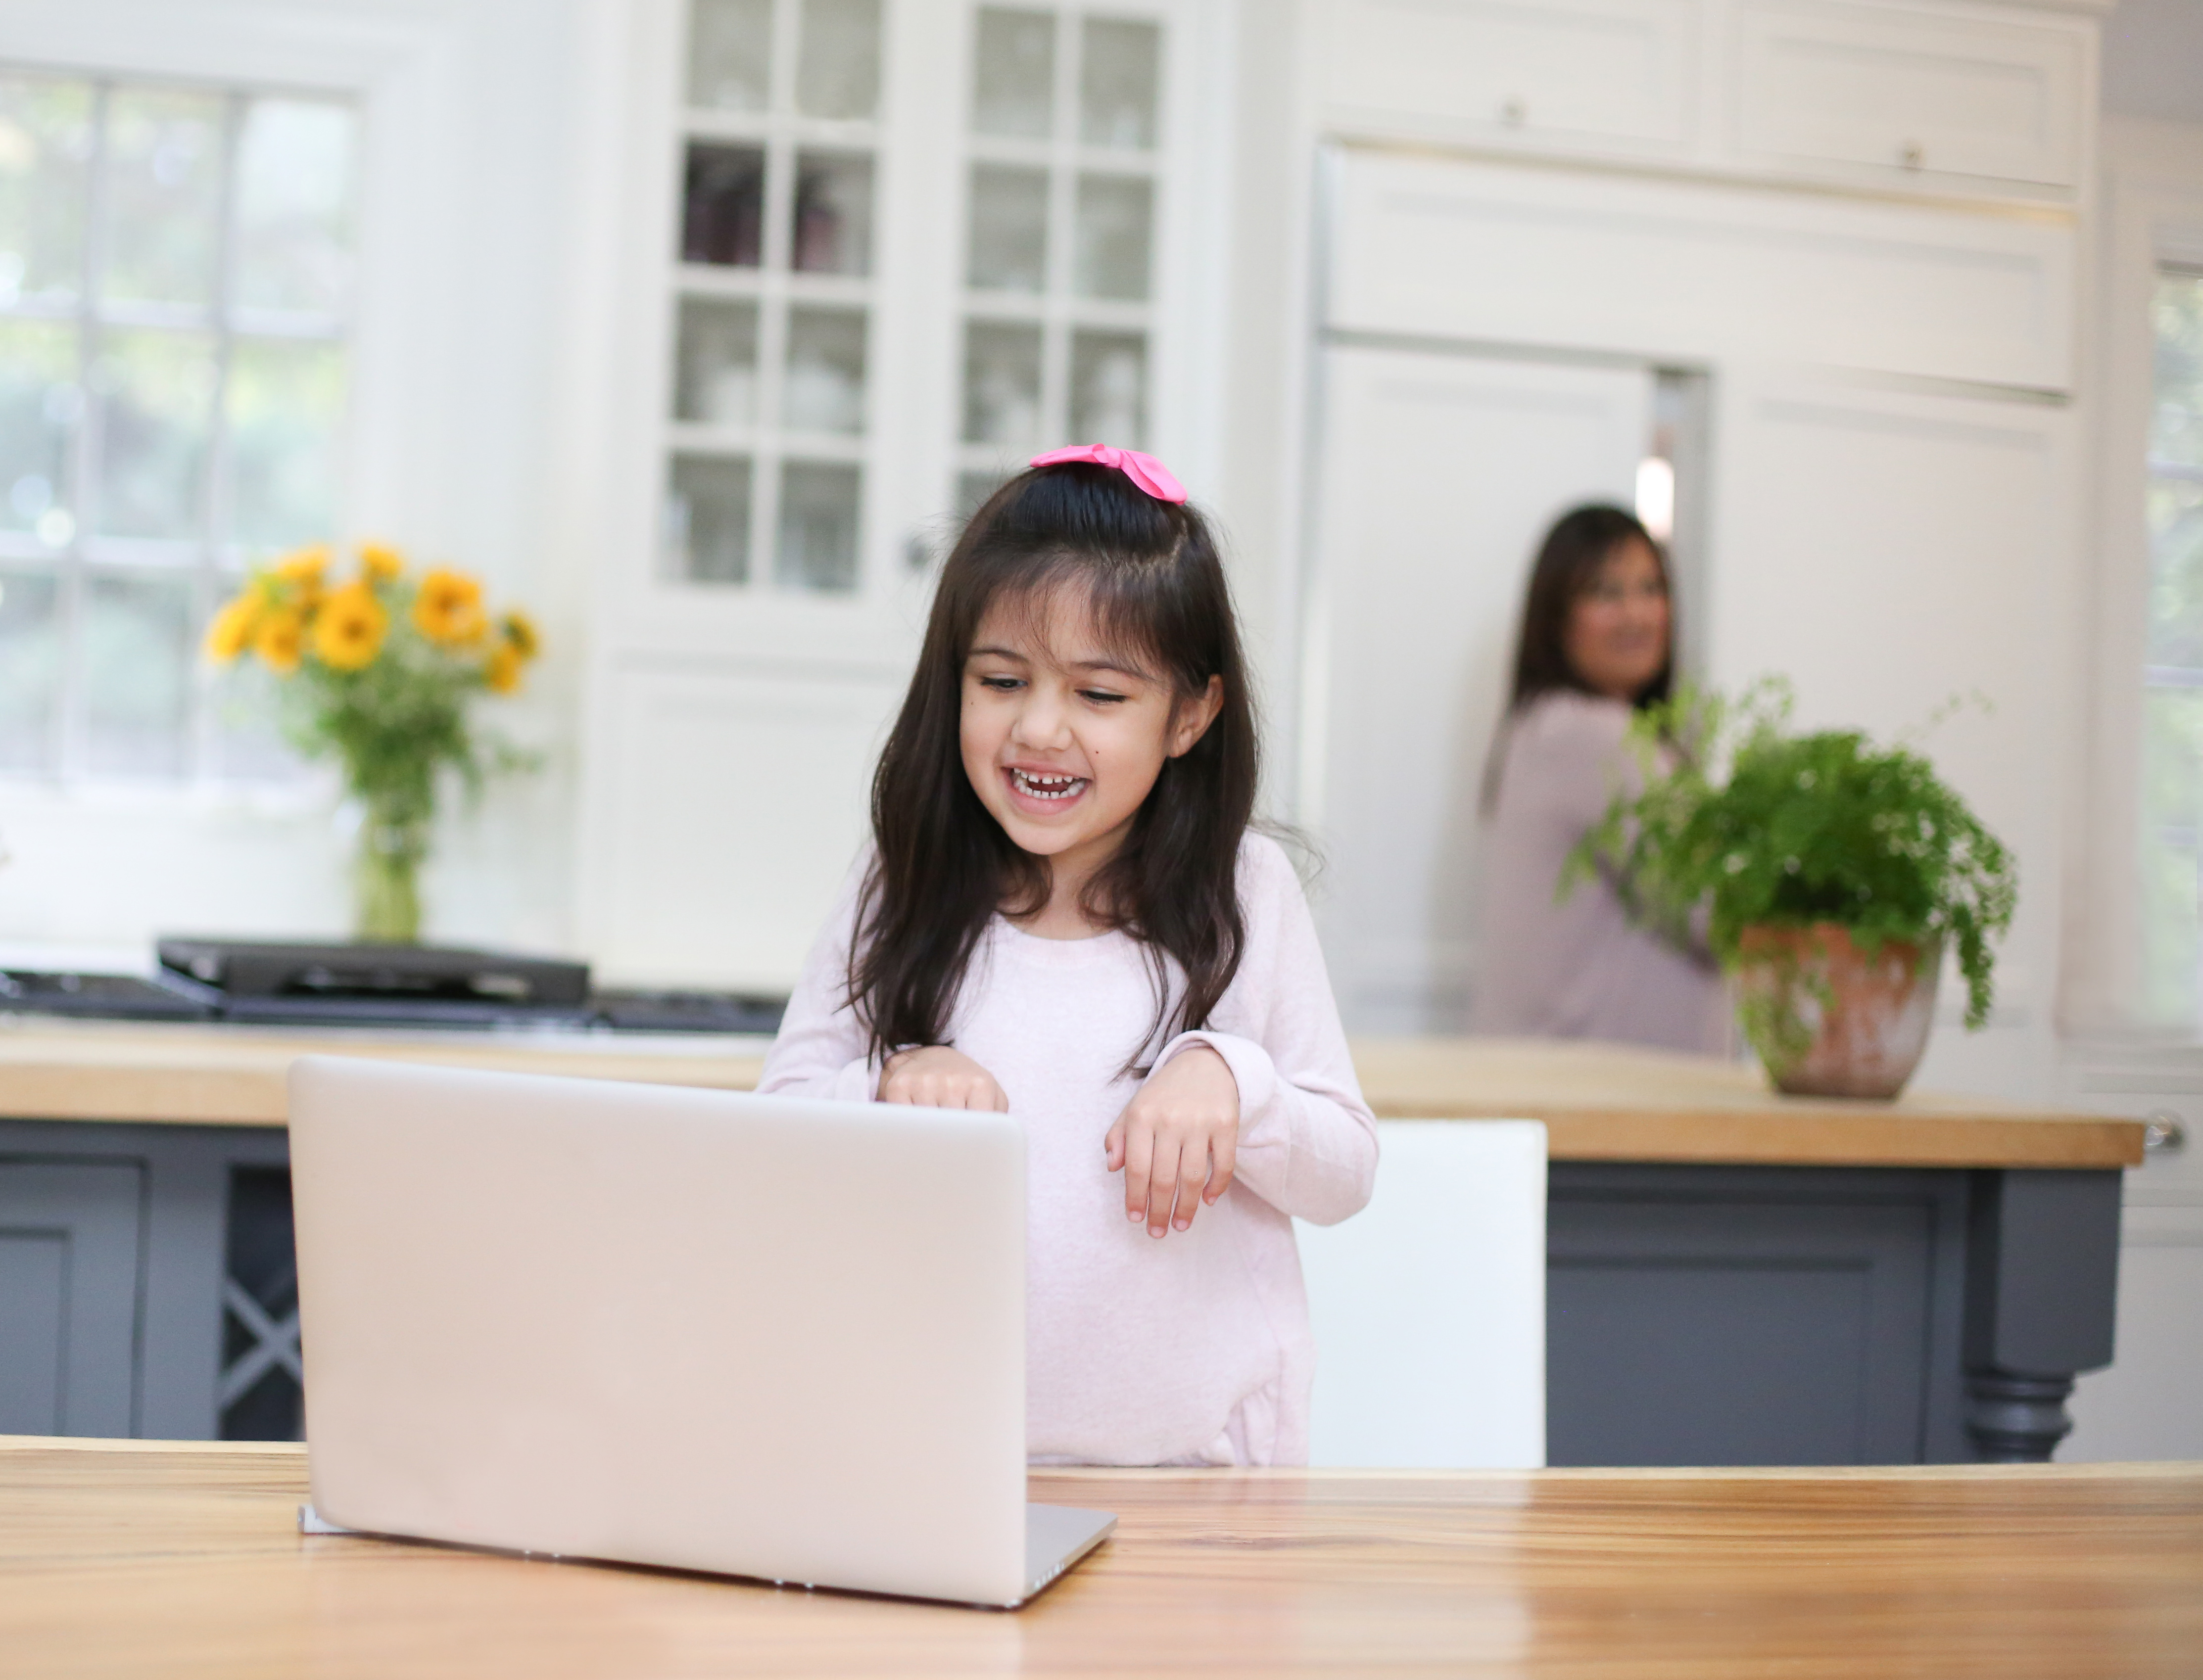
1599, 1102
130, 1558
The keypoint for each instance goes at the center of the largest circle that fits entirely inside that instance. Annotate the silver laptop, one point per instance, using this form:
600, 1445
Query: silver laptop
756, 1336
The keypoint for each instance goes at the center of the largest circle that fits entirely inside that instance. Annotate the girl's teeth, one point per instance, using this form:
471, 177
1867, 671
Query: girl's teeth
1048, 787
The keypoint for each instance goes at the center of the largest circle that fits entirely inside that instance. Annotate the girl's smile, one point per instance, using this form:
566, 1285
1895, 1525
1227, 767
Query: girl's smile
1049, 793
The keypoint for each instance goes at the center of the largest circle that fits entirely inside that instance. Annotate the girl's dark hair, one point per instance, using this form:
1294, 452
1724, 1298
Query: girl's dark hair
1569, 557
1149, 574
1579, 543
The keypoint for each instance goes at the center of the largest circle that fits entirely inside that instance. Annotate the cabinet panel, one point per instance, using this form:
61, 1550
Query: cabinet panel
68, 1297
1601, 69
1855, 84
1887, 551
1493, 252
735, 803
1690, 1323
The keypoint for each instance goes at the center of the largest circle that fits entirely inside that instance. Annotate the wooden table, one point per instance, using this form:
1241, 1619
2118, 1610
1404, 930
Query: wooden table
1736, 1276
137, 1560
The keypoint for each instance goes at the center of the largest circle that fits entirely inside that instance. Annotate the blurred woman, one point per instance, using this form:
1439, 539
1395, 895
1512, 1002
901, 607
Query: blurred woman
1597, 643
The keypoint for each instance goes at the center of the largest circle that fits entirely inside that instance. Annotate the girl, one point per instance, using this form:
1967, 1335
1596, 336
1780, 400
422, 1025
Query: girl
1064, 915
1597, 643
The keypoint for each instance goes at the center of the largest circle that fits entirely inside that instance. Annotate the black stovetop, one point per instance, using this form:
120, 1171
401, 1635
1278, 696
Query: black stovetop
267, 983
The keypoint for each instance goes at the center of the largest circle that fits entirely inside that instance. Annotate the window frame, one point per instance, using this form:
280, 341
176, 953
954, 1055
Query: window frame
2150, 216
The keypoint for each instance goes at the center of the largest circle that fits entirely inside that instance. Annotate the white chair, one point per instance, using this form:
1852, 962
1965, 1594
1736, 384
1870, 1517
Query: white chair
1429, 1304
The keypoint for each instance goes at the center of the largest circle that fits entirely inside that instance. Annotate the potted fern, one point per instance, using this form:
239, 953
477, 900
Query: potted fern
1831, 875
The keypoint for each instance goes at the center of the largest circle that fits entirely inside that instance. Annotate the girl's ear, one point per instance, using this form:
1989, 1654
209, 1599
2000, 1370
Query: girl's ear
1194, 716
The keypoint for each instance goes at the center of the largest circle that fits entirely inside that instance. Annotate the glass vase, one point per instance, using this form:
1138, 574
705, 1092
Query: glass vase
387, 875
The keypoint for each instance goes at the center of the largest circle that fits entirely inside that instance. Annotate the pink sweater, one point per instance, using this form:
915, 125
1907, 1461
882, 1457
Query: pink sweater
1193, 1349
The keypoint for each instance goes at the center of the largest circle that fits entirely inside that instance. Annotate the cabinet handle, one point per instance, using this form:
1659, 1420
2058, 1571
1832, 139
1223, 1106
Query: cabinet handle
2164, 1131
1514, 113
1911, 154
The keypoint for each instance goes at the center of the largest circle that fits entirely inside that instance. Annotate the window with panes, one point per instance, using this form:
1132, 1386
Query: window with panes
175, 275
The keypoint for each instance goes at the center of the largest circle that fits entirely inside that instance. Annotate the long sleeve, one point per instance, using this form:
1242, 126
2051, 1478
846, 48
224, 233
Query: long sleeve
1577, 967
822, 1048
1307, 1142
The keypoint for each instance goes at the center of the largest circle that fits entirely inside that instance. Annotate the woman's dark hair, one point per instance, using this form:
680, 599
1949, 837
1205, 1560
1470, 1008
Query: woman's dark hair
1149, 574
1568, 559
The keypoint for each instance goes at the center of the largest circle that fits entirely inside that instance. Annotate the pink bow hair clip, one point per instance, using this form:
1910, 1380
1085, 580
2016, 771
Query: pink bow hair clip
1144, 470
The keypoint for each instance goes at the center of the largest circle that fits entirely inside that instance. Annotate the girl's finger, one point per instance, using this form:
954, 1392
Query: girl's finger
1192, 1168
1139, 1150
1162, 1179
1224, 1153
1113, 1145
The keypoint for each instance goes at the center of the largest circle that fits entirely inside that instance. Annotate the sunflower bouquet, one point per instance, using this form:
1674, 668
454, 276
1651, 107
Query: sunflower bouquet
376, 669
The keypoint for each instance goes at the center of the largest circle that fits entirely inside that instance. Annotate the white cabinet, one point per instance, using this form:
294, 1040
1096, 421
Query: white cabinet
1440, 474
731, 804
1904, 90
877, 253
1926, 95
1566, 72
1698, 272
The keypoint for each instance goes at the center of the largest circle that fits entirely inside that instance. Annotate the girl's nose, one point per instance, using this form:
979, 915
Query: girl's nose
1041, 723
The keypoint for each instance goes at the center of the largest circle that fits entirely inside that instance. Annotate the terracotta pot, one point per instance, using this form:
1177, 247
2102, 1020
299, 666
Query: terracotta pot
1828, 1020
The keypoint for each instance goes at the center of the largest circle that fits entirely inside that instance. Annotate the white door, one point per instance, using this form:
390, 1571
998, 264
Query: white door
1440, 475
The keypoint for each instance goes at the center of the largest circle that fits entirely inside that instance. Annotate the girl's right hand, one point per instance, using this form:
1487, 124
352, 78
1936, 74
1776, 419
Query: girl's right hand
935, 1077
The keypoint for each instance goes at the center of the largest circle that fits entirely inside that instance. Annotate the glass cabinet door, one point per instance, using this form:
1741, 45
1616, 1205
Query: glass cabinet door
769, 431
1063, 173
1029, 156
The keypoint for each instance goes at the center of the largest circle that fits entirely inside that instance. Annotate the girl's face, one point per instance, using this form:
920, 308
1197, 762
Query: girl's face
1616, 637
1063, 735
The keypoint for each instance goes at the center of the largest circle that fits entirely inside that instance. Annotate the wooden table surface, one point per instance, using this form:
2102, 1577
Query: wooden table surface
1599, 1102
143, 1559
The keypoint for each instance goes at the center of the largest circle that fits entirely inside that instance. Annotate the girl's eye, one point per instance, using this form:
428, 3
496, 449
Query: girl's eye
1100, 697
1001, 685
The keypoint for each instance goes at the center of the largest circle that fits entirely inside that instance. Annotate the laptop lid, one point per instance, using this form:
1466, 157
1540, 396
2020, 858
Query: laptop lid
760, 1336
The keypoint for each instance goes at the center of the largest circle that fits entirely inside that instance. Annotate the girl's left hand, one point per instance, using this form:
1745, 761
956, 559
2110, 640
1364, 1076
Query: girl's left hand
1177, 1141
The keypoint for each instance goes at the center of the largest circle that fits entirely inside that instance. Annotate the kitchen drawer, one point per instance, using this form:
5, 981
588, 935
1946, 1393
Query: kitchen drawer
1909, 93
1571, 71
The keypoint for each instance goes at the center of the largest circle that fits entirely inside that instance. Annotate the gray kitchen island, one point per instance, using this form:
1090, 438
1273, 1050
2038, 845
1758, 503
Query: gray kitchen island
1734, 1277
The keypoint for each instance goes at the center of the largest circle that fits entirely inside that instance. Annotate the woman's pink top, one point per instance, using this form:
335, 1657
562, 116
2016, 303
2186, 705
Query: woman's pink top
1577, 967
1192, 1349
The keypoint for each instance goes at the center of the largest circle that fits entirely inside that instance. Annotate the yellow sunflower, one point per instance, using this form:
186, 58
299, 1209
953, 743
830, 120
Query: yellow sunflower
520, 635
502, 673
231, 631
304, 565
348, 629
380, 561
279, 641
448, 608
